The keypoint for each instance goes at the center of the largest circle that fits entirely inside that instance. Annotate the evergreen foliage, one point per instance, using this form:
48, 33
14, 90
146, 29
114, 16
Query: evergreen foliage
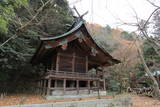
7, 12
151, 56
127, 36
16, 73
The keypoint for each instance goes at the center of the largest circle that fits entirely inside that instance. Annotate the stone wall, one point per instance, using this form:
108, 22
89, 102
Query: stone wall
72, 92
116, 102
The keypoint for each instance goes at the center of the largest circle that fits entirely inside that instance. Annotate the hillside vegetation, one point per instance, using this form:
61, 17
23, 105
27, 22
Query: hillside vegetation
120, 44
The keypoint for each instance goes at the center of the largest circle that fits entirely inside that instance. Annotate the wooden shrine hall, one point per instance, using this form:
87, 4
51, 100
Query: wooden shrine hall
68, 60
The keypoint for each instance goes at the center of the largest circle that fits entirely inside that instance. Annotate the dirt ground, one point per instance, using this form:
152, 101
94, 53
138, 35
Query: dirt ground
138, 101
143, 101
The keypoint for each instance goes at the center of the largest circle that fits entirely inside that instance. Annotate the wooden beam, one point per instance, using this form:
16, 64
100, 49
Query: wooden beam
82, 46
55, 43
68, 78
64, 46
68, 55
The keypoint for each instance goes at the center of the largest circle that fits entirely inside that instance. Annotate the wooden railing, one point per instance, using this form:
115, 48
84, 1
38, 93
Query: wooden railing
71, 75
73, 88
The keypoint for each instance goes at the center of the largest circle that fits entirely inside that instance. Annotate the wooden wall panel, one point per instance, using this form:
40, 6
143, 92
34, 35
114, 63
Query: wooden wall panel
80, 65
65, 63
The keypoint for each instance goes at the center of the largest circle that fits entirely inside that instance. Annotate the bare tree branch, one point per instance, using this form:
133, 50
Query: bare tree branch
38, 11
156, 92
150, 17
27, 24
142, 29
12, 37
153, 4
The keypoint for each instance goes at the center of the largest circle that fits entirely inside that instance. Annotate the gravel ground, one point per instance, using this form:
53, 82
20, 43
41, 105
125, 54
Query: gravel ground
138, 101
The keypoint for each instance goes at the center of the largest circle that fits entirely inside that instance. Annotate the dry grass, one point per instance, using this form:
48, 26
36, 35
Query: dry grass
138, 101
143, 101
37, 99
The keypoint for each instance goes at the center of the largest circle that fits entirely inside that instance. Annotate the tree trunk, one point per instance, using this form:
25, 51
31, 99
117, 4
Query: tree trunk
156, 91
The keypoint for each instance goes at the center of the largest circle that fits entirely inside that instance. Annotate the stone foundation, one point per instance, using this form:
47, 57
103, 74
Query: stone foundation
72, 92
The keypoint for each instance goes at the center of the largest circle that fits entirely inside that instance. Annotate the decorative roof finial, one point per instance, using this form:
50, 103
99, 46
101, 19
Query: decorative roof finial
80, 16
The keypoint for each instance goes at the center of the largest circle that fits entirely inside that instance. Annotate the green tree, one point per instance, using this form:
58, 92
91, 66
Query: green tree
17, 75
7, 12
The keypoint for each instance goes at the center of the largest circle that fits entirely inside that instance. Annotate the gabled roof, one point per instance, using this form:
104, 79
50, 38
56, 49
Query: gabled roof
78, 30
76, 27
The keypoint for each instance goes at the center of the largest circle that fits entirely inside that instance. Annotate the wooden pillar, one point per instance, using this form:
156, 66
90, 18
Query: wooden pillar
37, 85
44, 87
55, 84
104, 82
98, 89
73, 62
88, 87
40, 87
64, 86
49, 87
77, 86
86, 63
52, 64
57, 63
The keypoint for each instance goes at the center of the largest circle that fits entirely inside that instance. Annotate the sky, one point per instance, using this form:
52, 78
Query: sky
113, 12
